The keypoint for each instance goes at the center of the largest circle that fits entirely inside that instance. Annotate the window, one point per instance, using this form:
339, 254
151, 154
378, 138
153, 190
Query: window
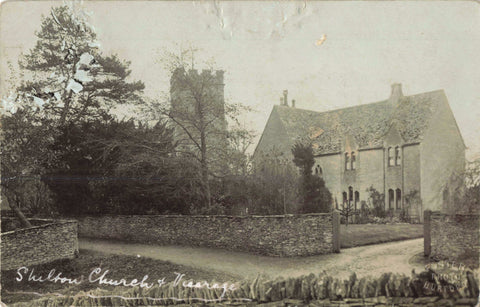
398, 157
390, 156
318, 170
353, 160
398, 201
347, 161
344, 197
391, 199
357, 199
350, 193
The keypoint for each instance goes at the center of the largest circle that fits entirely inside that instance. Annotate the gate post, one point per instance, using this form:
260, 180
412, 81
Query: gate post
336, 231
427, 247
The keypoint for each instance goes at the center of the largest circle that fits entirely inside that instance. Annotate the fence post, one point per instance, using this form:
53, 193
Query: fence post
427, 240
336, 231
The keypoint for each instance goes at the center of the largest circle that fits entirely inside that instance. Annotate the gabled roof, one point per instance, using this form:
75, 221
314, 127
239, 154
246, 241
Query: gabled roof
366, 123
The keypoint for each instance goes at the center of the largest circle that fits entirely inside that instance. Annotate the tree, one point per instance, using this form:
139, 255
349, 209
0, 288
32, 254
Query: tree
316, 197
273, 187
143, 175
67, 81
376, 202
347, 210
26, 138
461, 193
196, 108
70, 78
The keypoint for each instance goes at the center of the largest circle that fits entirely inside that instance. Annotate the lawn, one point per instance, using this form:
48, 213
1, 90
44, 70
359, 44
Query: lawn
366, 234
119, 266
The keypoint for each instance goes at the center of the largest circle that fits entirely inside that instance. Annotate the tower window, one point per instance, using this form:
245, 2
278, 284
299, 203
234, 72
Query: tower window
318, 170
350, 193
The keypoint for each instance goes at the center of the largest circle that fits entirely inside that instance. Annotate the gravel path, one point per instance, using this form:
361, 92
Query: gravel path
364, 260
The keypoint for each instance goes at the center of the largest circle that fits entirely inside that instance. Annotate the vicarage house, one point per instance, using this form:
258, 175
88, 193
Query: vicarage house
398, 145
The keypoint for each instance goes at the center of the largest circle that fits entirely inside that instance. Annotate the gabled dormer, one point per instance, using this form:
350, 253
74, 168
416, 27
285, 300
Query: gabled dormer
393, 143
350, 153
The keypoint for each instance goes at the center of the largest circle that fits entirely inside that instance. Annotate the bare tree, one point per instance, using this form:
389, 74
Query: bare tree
199, 114
347, 210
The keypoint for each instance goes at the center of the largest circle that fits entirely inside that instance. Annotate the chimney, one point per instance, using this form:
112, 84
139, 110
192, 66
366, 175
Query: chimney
293, 103
396, 94
285, 97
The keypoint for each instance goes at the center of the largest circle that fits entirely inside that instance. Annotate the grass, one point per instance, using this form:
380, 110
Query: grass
366, 234
119, 266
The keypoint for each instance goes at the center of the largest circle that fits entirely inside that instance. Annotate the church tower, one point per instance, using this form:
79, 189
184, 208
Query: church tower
198, 109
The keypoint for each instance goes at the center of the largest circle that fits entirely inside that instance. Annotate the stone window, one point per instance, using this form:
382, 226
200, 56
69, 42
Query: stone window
398, 157
391, 161
350, 193
318, 170
391, 199
344, 197
354, 160
347, 161
398, 200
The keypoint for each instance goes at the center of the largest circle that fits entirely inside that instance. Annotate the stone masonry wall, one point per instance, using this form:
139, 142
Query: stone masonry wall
39, 244
454, 237
290, 235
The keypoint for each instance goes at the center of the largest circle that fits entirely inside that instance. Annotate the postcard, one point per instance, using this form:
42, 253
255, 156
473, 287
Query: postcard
212, 153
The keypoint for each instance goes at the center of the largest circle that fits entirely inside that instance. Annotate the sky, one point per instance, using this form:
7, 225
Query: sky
267, 47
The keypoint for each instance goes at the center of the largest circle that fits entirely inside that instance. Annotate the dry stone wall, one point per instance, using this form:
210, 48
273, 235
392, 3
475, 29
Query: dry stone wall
39, 244
285, 235
452, 237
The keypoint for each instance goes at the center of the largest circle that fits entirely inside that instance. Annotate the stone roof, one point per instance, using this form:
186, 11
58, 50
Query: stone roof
366, 123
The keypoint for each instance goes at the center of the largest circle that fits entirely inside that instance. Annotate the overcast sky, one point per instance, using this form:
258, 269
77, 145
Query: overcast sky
266, 47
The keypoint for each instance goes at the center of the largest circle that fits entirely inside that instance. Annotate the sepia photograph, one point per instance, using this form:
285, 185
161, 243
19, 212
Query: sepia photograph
239, 153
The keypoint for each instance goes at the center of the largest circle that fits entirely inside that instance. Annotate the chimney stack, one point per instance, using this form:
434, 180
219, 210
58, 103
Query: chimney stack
285, 97
293, 103
396, 94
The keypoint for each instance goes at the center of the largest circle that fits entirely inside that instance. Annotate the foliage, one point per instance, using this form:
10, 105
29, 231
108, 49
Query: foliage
303, 158
316, 197
273, 185
347, 210
461, 193
69, 77
122, 167
66, 82
376, 201
196, 108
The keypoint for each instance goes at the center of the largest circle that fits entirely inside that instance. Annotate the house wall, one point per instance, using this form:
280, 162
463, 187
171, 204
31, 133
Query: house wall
442, 155
370, 172
411, 177
285, 235
39, 244
273, 137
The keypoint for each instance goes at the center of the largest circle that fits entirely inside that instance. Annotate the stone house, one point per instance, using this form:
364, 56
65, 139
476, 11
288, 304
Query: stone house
401, 145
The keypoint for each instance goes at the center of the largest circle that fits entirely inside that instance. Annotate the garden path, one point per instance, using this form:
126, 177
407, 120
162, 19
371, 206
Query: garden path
364, 260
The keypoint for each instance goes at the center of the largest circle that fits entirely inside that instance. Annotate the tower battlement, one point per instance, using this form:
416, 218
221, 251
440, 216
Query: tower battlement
215, 75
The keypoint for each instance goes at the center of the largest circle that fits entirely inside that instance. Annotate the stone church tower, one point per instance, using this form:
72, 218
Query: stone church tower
198, 107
